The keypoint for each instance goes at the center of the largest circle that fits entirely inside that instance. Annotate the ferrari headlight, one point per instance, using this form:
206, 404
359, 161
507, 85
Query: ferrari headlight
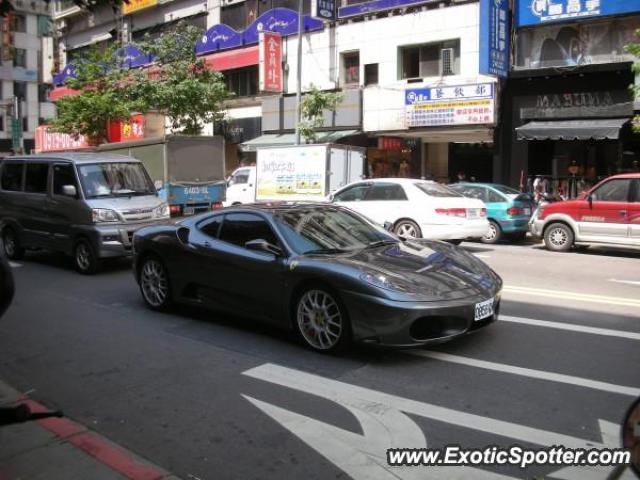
104, 215
162, 211
382, 281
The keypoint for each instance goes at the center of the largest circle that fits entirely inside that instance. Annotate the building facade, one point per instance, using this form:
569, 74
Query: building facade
25, 74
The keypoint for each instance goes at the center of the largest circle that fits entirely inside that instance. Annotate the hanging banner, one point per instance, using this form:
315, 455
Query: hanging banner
535, 12
324, 10
270, 46
49, 141
495, 36
453, 105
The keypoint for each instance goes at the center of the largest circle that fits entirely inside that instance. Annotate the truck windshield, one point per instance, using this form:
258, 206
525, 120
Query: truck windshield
114, 179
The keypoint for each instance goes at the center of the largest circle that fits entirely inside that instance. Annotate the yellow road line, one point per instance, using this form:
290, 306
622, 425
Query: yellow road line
564, 295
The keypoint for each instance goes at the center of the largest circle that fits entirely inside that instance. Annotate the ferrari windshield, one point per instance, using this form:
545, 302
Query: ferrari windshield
328, 230
114, 179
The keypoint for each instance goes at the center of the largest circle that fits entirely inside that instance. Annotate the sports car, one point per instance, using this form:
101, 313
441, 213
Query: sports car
322, 270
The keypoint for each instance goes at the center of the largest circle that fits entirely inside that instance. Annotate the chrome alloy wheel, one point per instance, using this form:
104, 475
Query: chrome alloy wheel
9, 244
319, 319
406, 230
558, 237
492, 233
154, 283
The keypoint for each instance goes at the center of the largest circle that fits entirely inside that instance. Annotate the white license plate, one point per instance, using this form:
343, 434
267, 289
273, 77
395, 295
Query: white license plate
484, 309
527, 211
188, 211
472, 213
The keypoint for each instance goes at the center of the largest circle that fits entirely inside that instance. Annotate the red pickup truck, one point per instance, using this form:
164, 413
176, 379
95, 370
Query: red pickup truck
609, 214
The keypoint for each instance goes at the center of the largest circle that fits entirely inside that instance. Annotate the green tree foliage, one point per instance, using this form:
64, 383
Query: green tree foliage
180, 86
313, 105
105, 95
634, 49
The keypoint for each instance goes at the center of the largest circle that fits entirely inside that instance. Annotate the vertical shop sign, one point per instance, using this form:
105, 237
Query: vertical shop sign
495, 26
270, 62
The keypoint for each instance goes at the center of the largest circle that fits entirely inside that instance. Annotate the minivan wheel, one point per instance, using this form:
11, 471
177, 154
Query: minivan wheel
494, 233
154, 282
85, 260
407, 229
321, 320
558, 237
12, 248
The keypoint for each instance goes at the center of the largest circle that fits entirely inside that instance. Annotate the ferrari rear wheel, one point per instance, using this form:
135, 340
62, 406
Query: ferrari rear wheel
321, 320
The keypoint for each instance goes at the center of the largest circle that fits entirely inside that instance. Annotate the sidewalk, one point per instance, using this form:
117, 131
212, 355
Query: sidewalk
61, 449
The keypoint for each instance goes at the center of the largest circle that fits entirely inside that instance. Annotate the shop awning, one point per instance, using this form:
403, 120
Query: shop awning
600, 129
229, 60
284, 139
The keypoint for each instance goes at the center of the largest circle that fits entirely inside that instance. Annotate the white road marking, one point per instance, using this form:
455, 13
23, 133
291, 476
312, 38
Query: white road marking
567, 295
528, 372
14, 264
571, 327
482, 256
628, 282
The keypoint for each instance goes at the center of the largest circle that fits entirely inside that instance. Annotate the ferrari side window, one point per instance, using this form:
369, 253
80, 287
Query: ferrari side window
211, 227
240, 228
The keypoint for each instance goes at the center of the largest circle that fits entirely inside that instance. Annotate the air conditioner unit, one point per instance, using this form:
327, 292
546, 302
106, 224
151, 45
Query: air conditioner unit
226, 3
446, 61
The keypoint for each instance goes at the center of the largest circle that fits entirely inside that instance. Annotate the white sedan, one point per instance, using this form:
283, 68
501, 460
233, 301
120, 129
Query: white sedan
416, 208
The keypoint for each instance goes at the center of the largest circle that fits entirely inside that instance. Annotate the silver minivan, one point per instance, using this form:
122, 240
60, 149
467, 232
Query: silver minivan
86, 205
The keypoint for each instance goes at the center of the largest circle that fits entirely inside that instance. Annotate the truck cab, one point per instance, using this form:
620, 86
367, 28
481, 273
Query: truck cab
241, 186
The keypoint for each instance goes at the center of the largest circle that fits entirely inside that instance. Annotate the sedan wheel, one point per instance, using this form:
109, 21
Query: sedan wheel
154, 284
558, 237
408, 229
321, 321
494, 233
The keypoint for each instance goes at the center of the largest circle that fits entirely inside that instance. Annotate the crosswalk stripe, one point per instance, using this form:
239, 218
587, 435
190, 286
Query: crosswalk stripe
528, 372
571, 327
567, 295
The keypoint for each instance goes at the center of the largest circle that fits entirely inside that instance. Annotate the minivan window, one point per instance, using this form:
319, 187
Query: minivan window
613, 191
114, 179
12, 176
240, 228
63, 175
36, 177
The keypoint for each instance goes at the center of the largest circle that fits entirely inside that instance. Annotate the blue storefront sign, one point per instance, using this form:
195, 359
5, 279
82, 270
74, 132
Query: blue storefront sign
494, 37
323, 10
536, 12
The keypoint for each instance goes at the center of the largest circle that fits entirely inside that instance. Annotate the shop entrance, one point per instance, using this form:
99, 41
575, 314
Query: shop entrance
475, 160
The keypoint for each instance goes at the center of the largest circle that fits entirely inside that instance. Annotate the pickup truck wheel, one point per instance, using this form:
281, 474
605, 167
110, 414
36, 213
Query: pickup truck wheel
12, 248
85, 259
558, 237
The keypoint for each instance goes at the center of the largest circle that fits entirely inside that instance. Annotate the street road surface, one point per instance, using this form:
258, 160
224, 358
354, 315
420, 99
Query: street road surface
207, 396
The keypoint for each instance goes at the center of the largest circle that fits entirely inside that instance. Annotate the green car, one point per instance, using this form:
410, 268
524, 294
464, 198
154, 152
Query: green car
508, 210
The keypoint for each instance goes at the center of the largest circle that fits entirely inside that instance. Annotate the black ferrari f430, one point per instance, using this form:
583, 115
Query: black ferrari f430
323, 270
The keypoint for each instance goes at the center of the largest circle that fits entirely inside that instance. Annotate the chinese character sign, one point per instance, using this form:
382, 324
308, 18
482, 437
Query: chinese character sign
535, 12
495, 35
323, 10
135, 5
270, 62
451, 105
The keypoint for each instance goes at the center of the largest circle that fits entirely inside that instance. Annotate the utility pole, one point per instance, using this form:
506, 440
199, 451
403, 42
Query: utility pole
299, 74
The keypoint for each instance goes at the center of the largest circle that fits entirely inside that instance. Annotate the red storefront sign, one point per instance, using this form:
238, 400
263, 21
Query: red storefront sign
270, 62
390, 143
123, 131
48, 141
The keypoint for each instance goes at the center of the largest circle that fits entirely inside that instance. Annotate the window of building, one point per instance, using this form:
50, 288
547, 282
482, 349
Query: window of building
12, 176
19, 23
43, 92
242, 82
371, 74
36, 178
62, 5
240, 228
431, 60
25, 124
351, 68
19, 57
44, 26
63, 175
1, 123
20, 89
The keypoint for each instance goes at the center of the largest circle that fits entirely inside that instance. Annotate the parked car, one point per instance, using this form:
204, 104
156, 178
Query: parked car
6, 283
83, 204
609, 214
320, 269
417, 208
508, 210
